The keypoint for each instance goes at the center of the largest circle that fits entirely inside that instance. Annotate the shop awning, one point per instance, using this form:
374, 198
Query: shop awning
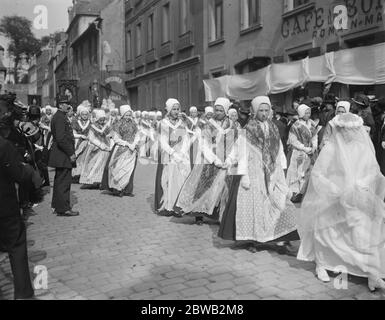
357, 66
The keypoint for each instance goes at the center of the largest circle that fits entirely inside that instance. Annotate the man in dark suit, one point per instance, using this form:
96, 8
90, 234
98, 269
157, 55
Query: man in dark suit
12, 229
62, 158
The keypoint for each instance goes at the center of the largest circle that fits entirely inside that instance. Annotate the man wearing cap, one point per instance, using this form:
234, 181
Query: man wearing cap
362, 108
244, 115
62, 158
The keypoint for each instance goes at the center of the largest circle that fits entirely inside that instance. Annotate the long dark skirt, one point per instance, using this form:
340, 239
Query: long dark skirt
227, 229
104, 185
158, 183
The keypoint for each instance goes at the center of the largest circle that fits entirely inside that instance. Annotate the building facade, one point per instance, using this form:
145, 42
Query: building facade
313, 28
32, 76
3, 69
163, 51
42, 59
95, 55
247, 35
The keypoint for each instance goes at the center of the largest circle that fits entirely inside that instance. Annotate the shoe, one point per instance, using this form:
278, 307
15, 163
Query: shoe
252, 249
68, 213
297, 198
376, 284
199, 222
178, 215
165, 214
131, 195
322, 274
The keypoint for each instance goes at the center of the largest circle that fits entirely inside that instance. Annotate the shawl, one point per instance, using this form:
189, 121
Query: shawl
303, 133
269, 145
127, 129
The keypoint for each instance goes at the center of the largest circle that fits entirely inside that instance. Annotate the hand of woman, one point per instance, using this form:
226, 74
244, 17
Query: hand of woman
383, 145
218, 164
245, 183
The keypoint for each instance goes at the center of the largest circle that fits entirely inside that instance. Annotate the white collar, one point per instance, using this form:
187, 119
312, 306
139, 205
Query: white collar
167, 122
193, 120
102, 131
219, 127
85, 126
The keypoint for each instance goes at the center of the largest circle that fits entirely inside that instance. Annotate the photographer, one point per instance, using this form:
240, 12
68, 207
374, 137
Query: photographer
35, 136
12, 229
14, 128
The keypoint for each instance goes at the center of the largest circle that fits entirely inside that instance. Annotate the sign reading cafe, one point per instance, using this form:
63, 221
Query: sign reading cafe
327, 21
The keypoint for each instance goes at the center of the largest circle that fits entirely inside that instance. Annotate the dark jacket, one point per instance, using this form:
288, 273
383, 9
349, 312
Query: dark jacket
63, 146
11, 171
381, 155
283, 132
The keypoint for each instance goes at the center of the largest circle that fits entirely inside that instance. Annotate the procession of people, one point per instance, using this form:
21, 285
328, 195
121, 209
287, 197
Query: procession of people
265, 177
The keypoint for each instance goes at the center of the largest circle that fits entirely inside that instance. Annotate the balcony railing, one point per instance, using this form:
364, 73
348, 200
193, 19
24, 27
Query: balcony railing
185, 41
166, 49
139, 61
151, 56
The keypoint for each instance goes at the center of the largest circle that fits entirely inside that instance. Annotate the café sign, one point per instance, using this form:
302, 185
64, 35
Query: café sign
323, 22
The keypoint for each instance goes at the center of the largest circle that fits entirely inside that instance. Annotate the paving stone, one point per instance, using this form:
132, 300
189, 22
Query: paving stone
220, 286
188, 293
119, 249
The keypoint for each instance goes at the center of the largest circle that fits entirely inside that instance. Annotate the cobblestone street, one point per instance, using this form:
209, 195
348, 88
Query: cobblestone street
119, 249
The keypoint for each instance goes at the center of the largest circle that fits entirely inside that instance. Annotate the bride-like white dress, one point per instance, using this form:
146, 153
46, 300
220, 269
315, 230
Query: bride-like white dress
342, 219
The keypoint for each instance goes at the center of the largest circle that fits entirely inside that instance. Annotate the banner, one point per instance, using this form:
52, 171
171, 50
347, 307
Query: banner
357, 66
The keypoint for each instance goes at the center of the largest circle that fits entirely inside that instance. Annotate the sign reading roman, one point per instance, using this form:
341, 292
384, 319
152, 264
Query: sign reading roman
328, 21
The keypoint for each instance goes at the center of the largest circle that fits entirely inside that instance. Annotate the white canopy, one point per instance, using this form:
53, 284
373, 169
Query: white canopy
357, 66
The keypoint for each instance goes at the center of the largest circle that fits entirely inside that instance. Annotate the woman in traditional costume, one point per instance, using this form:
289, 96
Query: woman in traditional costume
303, 142
45, 125
209, 114
382, 146
81, 127
342, 219
98, 150
342, 107
233, 116
119, 171
137, 117
194, 132
147, 135
205, 192
114, 116
262, 211
174, 162
154, 133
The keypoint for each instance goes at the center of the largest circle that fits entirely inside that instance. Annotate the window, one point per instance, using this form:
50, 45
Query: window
45, 90
139, 39
76, 57
90, 49
81, 54
293, 4
150, 30
184, 9
95, 50
166, 23
128, 46
216, 20
250, 13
